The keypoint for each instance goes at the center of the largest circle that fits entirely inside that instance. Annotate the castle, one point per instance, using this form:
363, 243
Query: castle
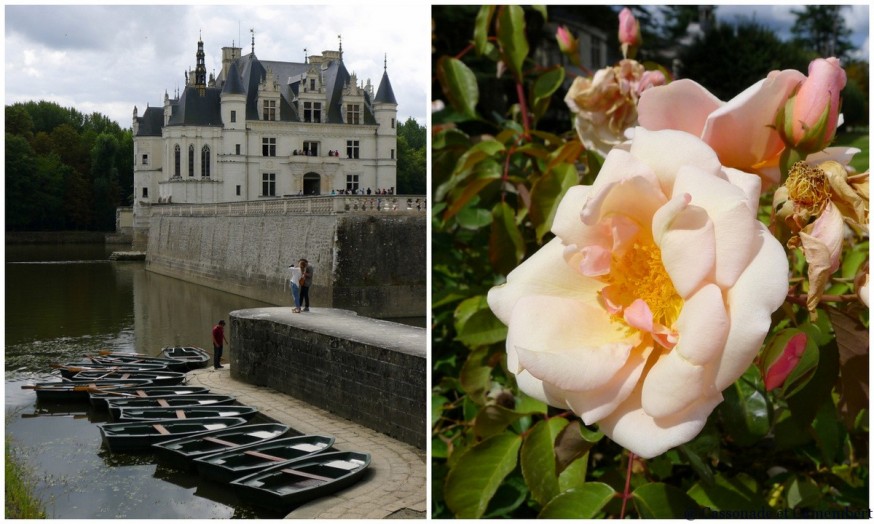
265, 129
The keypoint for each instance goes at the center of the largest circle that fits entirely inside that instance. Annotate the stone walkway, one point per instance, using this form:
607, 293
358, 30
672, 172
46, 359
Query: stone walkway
395, 487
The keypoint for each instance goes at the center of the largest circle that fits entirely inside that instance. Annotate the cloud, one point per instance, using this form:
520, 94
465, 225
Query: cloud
113, 58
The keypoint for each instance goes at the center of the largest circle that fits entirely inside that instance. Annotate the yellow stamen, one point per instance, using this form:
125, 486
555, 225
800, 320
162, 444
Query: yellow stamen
640, 273
808, 186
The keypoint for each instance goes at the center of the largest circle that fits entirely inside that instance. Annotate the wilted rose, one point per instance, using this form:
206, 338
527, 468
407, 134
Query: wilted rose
606, 104
655, 295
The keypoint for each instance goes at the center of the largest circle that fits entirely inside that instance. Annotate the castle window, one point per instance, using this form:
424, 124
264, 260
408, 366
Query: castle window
238, 189
177, 161
268, 147
312, 111
392, 123
352, 149
191, 160
145, 192
238, 149
353, 114
204, 162
312, 84
311, 148
233, 116
392, 154
268, 184
145, 160
351, 182
269, 110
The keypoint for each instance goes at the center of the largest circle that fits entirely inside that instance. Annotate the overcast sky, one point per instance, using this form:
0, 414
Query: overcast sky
108, 59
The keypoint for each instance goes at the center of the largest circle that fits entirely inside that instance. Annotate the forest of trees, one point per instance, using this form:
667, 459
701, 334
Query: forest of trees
65, 171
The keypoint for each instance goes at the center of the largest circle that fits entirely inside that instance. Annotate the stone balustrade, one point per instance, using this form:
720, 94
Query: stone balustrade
301, 205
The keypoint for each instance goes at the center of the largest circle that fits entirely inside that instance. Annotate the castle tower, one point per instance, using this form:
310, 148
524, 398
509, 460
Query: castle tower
200, 69
385, 110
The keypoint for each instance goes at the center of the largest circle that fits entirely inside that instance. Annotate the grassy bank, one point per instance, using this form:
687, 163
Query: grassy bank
20, 502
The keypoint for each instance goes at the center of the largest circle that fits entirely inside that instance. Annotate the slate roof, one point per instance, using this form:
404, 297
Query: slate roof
385, 94
233, 85
151, 122
194, 109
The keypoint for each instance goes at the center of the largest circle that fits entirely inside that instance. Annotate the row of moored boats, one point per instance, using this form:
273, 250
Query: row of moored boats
155, 411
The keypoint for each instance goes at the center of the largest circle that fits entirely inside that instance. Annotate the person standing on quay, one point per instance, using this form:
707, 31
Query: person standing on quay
218, 340
306, 282
294, 284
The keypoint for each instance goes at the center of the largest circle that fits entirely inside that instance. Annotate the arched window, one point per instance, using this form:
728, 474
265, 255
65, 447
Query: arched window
191, 160
177, 161
204, 162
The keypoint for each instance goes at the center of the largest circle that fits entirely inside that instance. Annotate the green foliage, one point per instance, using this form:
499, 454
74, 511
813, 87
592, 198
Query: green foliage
499, 168
65, 170
20, 501
822, 30
412, 158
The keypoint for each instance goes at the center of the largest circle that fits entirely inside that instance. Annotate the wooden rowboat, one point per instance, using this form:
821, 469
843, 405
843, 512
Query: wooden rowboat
183, 449
234, 463
289, 484
158, 378
98, 400
166, 401
195, 357
127, 358
186, 412
139, 436
71, 368
79, 391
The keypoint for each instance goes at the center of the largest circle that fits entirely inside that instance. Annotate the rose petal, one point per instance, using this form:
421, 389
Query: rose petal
703, 326
657, 107
638, 316
567, 223
630, 427
750, 184
544, 273
687, 243
655, 149
592, 406
758, 292
673, 384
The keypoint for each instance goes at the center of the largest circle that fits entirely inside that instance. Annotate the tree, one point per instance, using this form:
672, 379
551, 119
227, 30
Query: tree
712, 60
821, 29
104, 176
412, 158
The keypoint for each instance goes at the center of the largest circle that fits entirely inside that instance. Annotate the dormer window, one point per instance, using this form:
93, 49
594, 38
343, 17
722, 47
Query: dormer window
353, 113
312, 84
312, 111
269, 110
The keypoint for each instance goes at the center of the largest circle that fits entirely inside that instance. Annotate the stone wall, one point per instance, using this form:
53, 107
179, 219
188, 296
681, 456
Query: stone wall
373, 264
372, 372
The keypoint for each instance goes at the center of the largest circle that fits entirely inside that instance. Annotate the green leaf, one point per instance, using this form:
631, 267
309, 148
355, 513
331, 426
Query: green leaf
737, 493
439, 449
802, 493
464, 166
472, 217
511, 38
544, 86
506, 247
437, 403
547, 193
526, 404
482, 328
574, 476
511, 494
481, 28
492, 420
538, 459
486, 173
661, 501
475, 479
574, 441
829, 434
803, 371
581, 503
746, 412
459, 85
475, 378
805, 404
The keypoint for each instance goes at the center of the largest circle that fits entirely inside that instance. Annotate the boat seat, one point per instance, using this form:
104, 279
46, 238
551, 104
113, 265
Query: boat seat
306, 475
180, 413
161, 429
220, 441
264, 456
163, 403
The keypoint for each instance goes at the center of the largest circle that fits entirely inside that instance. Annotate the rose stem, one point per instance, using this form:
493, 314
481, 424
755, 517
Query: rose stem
626, 494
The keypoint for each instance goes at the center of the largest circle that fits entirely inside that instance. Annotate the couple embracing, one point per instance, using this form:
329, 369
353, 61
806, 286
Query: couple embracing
300, 282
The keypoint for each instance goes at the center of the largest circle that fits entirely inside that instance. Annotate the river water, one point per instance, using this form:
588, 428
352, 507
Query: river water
63, 302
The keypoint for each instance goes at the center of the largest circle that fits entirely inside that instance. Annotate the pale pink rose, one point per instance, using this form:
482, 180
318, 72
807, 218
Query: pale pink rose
629, 28
813, 113
606, 104
741, 131
655, 295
